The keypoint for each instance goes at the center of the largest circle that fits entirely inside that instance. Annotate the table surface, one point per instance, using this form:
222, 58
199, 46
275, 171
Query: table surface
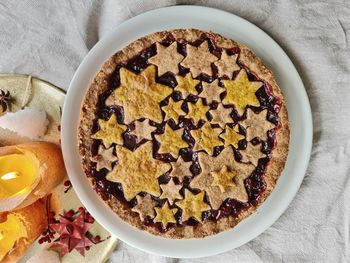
48, 39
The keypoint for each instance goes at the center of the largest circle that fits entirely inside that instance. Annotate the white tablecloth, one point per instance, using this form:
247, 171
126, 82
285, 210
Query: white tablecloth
48, 39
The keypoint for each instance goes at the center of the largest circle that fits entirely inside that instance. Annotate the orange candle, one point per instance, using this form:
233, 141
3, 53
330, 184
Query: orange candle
18, 174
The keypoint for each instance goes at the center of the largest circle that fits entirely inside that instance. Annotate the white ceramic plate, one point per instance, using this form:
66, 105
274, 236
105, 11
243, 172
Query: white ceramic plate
289, 80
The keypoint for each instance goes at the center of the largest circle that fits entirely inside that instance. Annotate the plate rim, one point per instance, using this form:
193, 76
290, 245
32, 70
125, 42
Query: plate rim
15, 75
135, 236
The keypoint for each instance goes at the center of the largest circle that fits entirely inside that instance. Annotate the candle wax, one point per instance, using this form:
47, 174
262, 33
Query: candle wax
18, 172
11, 231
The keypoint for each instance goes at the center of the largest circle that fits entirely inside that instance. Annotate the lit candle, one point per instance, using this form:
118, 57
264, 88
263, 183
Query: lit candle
10, 232
18, 174
28, 172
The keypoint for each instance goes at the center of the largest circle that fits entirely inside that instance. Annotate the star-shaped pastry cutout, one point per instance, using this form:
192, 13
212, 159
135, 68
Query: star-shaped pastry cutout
197, 111
110, 132
193, 206
221, 116
204, 181
180, 169
140, 95
199, 59
171, 141
211, 91
104, 158
252, 154
186, 85
206, 138
227, 64
223, 179
138, 171
257, 125
165, 215
171, 191
173, 110
231, 136
241, 92
167, 59
143, 130
145, 206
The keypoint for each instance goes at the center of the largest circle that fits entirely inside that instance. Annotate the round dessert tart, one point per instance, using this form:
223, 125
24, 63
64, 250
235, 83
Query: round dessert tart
183, 133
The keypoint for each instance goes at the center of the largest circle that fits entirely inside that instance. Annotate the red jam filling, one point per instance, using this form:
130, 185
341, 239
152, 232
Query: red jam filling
255, 183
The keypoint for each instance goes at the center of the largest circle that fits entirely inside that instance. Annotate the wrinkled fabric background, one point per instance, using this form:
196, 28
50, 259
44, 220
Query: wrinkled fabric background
49, 39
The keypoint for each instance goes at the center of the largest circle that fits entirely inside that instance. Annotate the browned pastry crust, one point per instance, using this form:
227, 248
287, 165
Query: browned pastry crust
248, 59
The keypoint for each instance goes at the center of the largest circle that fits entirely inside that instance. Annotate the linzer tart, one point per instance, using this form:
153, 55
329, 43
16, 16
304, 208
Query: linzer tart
183, 133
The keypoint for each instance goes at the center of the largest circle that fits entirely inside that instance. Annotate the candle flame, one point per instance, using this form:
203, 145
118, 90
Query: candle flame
1, 236
10, 176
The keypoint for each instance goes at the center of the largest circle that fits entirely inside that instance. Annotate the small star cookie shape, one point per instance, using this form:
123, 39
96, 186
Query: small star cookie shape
186, 85
206, 138
110, 132
170, 191
145, 206
227, 64
137, 171
167, 59
257, 125
143, 130
199, 59
197, 111
104, 158
221, 115
139, 95
180, 169
193, 206
173, 110
252, 154
165, 215
241, 92
171, 141
223, 178
205, 179
211, 91
232, 136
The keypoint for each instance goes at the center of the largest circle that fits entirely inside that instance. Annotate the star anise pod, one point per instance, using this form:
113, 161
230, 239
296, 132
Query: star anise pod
5, 100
